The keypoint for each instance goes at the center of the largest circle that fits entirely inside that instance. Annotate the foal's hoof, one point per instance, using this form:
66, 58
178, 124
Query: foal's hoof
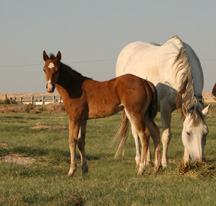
164, 164
156, 168
69, 175
84, 169
71, 172
140, 171
149, 163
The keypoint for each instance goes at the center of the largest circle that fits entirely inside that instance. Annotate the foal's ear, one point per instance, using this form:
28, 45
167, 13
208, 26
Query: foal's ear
58, 56
45, 56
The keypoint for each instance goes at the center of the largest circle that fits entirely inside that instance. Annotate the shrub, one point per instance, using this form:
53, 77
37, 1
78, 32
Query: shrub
29, 107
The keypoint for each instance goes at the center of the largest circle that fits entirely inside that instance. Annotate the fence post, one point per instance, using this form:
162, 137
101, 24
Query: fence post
53, 99
21, 100
32, 100
42, 99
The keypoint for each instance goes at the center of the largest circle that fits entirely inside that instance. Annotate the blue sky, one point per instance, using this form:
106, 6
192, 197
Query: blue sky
90, 34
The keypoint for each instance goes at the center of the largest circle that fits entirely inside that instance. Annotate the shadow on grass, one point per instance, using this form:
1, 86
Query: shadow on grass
13, 117
54, 153
20, 117
29, 151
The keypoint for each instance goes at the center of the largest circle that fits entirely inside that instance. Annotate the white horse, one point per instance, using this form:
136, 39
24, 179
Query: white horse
177, 73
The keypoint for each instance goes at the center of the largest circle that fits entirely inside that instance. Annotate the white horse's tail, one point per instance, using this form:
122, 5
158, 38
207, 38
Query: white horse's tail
122, 134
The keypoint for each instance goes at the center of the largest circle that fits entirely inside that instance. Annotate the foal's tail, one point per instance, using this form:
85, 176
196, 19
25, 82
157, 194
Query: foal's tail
122, 134
153, 107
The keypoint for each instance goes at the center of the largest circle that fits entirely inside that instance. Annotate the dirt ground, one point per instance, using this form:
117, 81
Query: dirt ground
19, 108
209, 98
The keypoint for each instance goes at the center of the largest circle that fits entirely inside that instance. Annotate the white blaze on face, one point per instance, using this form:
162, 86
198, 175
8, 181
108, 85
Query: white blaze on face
49, 86
51, 65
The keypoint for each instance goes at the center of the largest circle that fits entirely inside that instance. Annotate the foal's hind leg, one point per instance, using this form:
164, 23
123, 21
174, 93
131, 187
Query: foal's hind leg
149, 162
81, 146
139, 127
137, 145
144, 137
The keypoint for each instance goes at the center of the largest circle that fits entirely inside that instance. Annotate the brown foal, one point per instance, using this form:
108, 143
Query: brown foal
86, 99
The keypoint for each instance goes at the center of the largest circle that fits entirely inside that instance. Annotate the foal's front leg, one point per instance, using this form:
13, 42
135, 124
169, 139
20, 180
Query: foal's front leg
81, 147
73, 136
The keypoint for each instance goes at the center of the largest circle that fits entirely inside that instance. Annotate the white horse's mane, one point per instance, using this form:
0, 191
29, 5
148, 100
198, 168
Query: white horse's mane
184, 75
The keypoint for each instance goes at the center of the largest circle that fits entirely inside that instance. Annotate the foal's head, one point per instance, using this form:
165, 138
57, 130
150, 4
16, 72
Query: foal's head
51, 69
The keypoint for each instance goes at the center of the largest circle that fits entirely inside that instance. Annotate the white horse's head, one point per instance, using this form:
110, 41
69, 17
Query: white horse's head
194, 133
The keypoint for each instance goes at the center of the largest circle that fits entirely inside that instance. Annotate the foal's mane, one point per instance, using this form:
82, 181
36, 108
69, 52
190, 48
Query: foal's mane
69, 69
72, 71
186, 90
52, 56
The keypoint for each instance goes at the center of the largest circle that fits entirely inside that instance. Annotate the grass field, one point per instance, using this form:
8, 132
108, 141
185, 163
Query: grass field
34, 161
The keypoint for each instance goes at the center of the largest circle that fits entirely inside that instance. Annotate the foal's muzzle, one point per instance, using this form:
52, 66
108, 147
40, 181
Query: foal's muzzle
50, 87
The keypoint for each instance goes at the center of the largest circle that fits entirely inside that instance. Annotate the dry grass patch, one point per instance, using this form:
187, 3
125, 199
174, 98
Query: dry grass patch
44, 127
17, 159
207, 169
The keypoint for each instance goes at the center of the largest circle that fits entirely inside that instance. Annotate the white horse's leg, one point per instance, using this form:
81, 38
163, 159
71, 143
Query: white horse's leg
186, 158
166, 135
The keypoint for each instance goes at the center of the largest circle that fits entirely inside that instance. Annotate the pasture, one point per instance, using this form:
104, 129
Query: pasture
34, 161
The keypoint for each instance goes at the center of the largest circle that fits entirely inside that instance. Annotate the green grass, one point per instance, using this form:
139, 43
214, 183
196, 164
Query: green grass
109, 181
